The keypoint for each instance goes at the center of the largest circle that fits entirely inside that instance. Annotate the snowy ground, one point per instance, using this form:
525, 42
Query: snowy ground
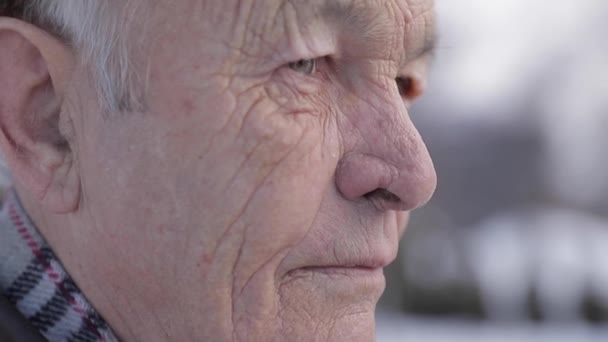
394, 327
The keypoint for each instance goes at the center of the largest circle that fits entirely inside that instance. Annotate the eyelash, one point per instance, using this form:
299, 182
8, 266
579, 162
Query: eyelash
407, 85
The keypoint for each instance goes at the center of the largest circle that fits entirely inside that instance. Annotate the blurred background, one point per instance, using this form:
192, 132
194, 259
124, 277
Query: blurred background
514, 245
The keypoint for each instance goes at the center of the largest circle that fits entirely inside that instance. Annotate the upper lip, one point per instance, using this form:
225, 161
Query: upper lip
377, 259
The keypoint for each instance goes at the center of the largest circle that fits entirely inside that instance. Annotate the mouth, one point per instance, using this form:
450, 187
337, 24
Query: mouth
343, 281
345, 262
346, 271
355, 268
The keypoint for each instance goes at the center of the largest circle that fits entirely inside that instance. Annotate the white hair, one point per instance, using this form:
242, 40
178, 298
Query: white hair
101, 33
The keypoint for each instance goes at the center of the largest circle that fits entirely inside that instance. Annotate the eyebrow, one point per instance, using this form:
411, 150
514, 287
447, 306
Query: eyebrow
349, 12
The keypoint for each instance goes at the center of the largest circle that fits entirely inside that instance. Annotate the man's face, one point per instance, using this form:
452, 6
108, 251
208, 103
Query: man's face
268, 181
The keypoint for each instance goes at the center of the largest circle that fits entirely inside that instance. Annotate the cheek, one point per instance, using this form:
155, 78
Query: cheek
288, 200
290, 162
267, 167
125, 177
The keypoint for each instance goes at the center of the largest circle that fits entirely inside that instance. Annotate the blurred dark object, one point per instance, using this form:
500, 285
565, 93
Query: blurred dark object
13, 327
11, 8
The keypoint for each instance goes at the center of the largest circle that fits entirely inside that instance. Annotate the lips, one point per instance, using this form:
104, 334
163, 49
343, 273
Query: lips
351, 263
357, 263
356, 245
351, 272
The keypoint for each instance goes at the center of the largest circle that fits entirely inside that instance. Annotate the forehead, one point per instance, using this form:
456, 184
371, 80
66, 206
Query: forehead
219, 11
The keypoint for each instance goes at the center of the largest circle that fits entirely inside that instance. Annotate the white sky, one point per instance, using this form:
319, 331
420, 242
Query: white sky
491, 51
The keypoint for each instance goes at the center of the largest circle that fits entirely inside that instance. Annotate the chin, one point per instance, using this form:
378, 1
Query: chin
360, 327
330, 305
335, 325
350, 327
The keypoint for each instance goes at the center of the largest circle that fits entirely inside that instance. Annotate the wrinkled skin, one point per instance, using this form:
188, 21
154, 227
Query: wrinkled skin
251, 200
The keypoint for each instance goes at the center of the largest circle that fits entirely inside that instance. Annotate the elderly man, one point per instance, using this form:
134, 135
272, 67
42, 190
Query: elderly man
198, 170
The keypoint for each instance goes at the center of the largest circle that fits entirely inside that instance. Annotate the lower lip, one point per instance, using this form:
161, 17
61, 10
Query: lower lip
343, 281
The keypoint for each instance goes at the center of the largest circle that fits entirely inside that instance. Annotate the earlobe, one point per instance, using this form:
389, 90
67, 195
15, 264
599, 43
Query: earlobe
35, 69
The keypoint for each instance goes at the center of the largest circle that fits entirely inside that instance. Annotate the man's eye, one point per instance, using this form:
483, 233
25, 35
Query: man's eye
304, 66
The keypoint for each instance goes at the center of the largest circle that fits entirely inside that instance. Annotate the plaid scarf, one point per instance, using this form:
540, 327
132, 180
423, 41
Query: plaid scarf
32, 278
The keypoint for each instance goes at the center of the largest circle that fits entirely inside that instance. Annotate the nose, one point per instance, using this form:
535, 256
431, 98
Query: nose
386, 162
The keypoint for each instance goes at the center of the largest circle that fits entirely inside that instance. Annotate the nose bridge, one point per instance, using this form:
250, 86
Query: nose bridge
387, 131
396, 158
399, 142
415, 179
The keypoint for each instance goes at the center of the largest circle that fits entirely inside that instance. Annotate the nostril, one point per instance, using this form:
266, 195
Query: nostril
401, 186
382, 194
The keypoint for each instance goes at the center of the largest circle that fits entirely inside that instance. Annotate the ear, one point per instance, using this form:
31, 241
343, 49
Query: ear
34, 73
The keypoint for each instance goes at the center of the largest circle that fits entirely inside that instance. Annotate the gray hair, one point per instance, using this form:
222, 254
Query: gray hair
100, 32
